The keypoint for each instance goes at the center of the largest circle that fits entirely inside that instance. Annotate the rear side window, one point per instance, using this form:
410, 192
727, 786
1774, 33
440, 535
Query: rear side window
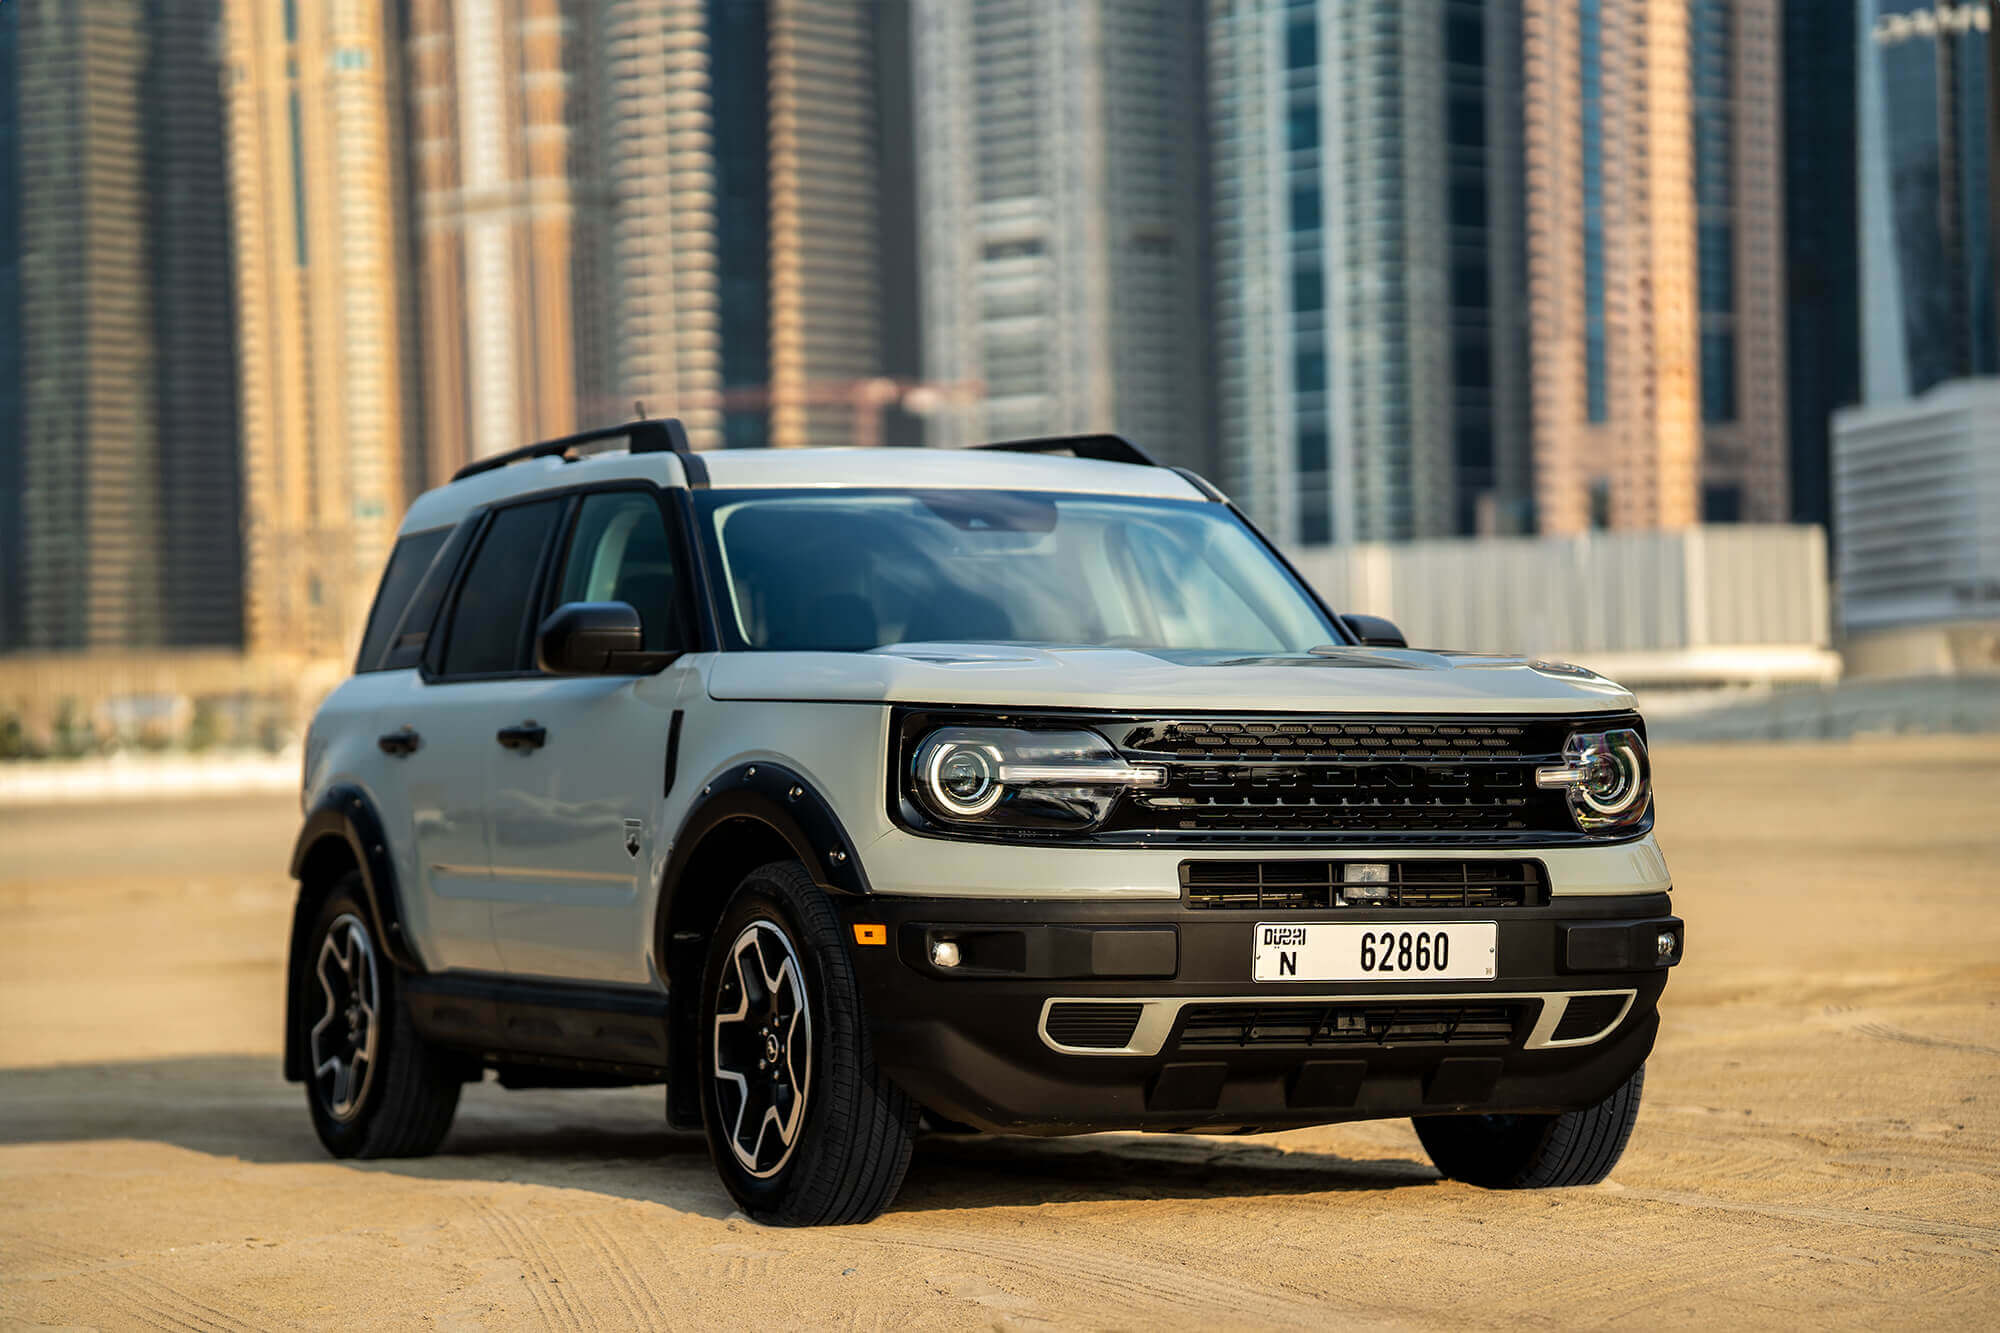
488, 634
408, 564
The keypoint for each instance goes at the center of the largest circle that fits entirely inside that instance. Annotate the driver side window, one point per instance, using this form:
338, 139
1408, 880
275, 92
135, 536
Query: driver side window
621, 552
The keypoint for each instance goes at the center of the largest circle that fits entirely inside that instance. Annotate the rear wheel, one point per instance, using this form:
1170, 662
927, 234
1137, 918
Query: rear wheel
803, 1128
376, 1089
1534, 1151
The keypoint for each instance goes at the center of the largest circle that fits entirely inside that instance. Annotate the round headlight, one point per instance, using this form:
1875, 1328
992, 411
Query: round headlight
963, 780
1609, 786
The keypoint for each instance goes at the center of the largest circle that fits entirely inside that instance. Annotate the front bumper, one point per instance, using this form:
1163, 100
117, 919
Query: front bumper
1188, 1040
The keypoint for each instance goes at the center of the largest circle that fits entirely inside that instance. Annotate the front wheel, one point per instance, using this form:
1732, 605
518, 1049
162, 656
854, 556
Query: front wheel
1534, 1151
803, 1128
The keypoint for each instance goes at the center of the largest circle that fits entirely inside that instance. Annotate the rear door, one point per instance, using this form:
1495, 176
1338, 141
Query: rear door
474, 668
575, 850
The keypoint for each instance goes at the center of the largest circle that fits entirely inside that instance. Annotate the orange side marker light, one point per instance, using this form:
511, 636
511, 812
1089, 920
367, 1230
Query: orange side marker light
875, 934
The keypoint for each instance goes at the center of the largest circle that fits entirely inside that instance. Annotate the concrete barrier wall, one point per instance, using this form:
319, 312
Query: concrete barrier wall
1756, 594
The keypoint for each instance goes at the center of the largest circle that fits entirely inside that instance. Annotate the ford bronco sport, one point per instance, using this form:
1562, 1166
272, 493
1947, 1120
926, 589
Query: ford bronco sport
842, 790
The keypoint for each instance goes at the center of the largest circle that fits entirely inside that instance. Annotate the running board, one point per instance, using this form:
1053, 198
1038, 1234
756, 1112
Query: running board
508, 1020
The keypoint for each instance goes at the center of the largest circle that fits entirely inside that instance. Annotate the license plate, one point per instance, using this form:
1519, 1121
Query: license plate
1325, 951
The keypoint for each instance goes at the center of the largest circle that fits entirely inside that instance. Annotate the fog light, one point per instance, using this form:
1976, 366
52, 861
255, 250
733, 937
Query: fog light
1667, 944
944, 953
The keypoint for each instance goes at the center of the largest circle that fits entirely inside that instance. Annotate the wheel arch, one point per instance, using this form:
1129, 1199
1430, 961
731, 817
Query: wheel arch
748, 816
342, 833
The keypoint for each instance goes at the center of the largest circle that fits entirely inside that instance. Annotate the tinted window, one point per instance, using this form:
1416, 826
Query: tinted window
847, 571
407, 565
488, 626
621, 553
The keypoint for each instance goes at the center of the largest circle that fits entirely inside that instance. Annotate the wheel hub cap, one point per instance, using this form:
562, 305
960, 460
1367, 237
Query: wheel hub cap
762, 1048
343, 1041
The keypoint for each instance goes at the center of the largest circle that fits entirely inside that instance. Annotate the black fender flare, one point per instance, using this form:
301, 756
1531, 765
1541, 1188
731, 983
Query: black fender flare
343, 813
785, 804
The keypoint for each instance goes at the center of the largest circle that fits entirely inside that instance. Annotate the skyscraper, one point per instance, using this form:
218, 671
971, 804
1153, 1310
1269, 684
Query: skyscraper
121, 447
1822, 241
657, 139
1655, 283
1061, 191
11, 422
1369, 266
826, 271
741, 159
323, 282
1928, 311
508, 207
671, 203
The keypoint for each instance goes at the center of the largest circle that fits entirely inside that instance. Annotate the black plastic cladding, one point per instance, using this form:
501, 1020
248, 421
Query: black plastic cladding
789, 805
1545, 734
344, 813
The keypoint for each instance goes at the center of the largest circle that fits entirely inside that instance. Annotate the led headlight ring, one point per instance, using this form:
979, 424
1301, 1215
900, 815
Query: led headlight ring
963, 780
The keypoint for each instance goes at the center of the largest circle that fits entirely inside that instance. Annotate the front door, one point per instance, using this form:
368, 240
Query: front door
575, 853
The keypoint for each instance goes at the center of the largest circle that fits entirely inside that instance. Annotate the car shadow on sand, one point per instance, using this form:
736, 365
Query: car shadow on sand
615, 1142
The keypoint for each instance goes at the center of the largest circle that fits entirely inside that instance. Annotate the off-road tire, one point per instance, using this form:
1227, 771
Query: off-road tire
852, 1141
1527, 1152
409, 1101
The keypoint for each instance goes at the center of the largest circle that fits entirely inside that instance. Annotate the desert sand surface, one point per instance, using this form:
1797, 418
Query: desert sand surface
1819, 1145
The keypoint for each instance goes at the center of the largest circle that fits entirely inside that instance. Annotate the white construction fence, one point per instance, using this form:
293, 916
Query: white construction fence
1742, 604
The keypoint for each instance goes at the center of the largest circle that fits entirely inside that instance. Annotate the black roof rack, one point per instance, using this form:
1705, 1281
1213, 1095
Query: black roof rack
1102, 448
658, 435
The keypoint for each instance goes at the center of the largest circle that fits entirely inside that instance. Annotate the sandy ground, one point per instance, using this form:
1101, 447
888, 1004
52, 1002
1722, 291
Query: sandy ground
1820, 1142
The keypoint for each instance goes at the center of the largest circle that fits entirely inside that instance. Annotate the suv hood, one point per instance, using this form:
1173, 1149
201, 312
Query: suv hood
1340, 680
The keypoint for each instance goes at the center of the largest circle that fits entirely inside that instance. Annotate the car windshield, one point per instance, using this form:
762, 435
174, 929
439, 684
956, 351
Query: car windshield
852, 570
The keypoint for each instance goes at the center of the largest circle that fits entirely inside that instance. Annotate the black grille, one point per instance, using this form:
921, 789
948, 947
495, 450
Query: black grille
1587, 1016
1357, 740
1244, 1026
1096, 1026
1431, 780
1288, 886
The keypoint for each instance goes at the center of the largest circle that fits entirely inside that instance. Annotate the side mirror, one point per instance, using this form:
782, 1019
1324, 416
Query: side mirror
595, 639
1374, 631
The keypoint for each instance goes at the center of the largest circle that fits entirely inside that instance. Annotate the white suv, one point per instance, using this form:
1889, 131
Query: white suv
848, 791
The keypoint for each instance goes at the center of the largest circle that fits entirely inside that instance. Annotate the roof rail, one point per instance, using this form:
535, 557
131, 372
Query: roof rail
1102, 448
657, 435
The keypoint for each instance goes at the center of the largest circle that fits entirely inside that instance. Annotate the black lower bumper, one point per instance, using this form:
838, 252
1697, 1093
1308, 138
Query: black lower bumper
1218, 1050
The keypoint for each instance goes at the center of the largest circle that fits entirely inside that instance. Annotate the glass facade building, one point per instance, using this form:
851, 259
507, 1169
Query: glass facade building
1822, 263
739, 74
118, 402
1369, 303
1927, 258
1061, 223
1655, 218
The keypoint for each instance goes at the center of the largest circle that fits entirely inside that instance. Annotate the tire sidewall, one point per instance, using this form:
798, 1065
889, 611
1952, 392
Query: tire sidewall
763, 898
347, 1138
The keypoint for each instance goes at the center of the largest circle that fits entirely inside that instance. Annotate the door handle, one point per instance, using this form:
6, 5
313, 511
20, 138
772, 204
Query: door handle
401, 743
529, 735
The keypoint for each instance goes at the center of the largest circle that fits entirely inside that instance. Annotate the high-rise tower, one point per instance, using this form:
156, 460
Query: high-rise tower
507, 208
1655, 226
1061, 202
118, 458
323, 277
1369, 266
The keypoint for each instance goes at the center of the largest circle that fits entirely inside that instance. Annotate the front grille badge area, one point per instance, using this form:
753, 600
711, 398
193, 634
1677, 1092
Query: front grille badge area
1322, 885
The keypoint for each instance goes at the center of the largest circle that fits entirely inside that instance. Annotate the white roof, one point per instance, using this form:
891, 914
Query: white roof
756, 469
